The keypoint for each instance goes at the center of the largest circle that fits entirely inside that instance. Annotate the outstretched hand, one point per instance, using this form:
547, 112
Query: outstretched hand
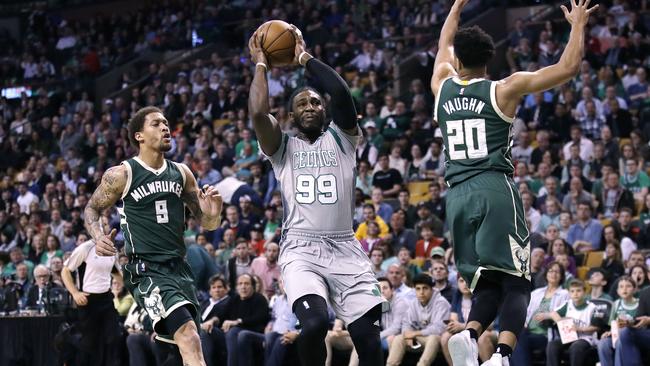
579, 14
255, 49
210, 201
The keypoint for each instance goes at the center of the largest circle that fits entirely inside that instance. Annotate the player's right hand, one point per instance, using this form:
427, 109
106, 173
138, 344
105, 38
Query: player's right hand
255, 49
80, 298
579, 14
104, 245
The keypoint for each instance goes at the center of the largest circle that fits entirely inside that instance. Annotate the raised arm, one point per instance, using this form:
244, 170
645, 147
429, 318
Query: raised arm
345, 113
109, 191
510, 89
204, 206
444, 63
267, 129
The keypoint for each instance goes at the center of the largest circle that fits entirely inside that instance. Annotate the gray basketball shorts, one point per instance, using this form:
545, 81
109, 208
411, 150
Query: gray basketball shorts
333, 267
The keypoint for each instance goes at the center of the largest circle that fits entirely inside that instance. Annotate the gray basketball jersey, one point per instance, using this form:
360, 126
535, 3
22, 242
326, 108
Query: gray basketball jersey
317, 181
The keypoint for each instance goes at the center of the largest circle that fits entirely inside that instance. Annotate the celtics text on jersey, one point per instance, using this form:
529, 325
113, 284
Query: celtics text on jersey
476, 133
152, 213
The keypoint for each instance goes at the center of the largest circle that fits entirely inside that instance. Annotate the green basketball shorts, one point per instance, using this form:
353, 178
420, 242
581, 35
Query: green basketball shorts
161, 288
488, 227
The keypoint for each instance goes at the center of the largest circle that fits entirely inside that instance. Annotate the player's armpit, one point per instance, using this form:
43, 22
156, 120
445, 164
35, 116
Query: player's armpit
109, 191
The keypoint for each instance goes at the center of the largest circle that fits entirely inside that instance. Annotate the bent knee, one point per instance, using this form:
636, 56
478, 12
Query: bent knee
315, 327
187, 334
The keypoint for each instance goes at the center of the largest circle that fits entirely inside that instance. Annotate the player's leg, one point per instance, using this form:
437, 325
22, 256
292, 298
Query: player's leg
181, 324
365, 336
461, 216
503, 247
311, 311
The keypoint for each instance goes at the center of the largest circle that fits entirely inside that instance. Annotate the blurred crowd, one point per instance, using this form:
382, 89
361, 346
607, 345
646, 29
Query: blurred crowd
581, 158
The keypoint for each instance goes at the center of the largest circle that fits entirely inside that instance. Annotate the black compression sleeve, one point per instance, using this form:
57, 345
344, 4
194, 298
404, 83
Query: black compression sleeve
343, 110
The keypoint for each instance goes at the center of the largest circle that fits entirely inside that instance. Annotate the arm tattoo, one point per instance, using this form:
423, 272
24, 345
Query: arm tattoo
191, 199
108, 192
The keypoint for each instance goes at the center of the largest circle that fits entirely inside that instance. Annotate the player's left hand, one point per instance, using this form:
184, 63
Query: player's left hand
210, 201
300, 45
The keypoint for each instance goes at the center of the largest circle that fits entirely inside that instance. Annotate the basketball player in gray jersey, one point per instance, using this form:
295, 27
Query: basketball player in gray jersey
320, 258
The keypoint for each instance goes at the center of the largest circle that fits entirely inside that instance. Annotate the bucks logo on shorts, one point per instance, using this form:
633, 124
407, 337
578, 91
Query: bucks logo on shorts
153, 304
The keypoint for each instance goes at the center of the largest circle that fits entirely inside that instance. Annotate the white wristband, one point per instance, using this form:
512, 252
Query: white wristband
300, 58
263, 65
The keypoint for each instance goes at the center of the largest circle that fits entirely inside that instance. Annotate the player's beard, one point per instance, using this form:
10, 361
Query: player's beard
313, 128
164, 147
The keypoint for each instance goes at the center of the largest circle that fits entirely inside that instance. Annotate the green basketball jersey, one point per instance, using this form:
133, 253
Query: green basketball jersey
152, 216
476, 134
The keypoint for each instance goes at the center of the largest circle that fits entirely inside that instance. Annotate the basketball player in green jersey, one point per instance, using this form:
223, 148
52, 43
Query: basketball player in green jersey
153, 193
485, 213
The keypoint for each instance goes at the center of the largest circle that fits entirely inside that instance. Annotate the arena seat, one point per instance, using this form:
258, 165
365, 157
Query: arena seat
419, 191
594, 259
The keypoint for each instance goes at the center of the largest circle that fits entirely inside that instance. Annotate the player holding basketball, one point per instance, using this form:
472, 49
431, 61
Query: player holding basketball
320, 258
485, 213
154, 192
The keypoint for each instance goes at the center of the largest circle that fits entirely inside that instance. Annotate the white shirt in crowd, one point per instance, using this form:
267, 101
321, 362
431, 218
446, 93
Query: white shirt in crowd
94, 270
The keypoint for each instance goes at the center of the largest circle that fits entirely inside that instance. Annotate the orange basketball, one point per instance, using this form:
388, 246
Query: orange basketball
278, 42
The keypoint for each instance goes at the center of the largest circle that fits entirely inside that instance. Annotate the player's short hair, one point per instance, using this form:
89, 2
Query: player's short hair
384, 279
298, 91
136, 123
577, 283
473, 47
217, 278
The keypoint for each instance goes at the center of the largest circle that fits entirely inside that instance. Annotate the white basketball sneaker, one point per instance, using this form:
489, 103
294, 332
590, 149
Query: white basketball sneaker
463, 349
497, 360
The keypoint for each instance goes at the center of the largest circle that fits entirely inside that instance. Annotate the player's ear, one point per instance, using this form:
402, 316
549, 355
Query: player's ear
138, 137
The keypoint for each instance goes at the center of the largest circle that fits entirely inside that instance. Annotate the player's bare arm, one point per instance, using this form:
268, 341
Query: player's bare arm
443, 66
205, 205
344, 114
510, 89
267, 129
109, 191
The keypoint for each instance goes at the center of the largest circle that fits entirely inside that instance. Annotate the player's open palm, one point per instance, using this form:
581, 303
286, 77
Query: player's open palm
210, 201
579, 14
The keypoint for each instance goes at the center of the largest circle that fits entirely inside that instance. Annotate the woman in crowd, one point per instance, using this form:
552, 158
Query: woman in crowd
543, 301
53, 250
557, 247
122, 299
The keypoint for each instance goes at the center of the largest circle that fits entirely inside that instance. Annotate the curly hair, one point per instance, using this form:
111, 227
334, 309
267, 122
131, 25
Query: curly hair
137, 122
473, 47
